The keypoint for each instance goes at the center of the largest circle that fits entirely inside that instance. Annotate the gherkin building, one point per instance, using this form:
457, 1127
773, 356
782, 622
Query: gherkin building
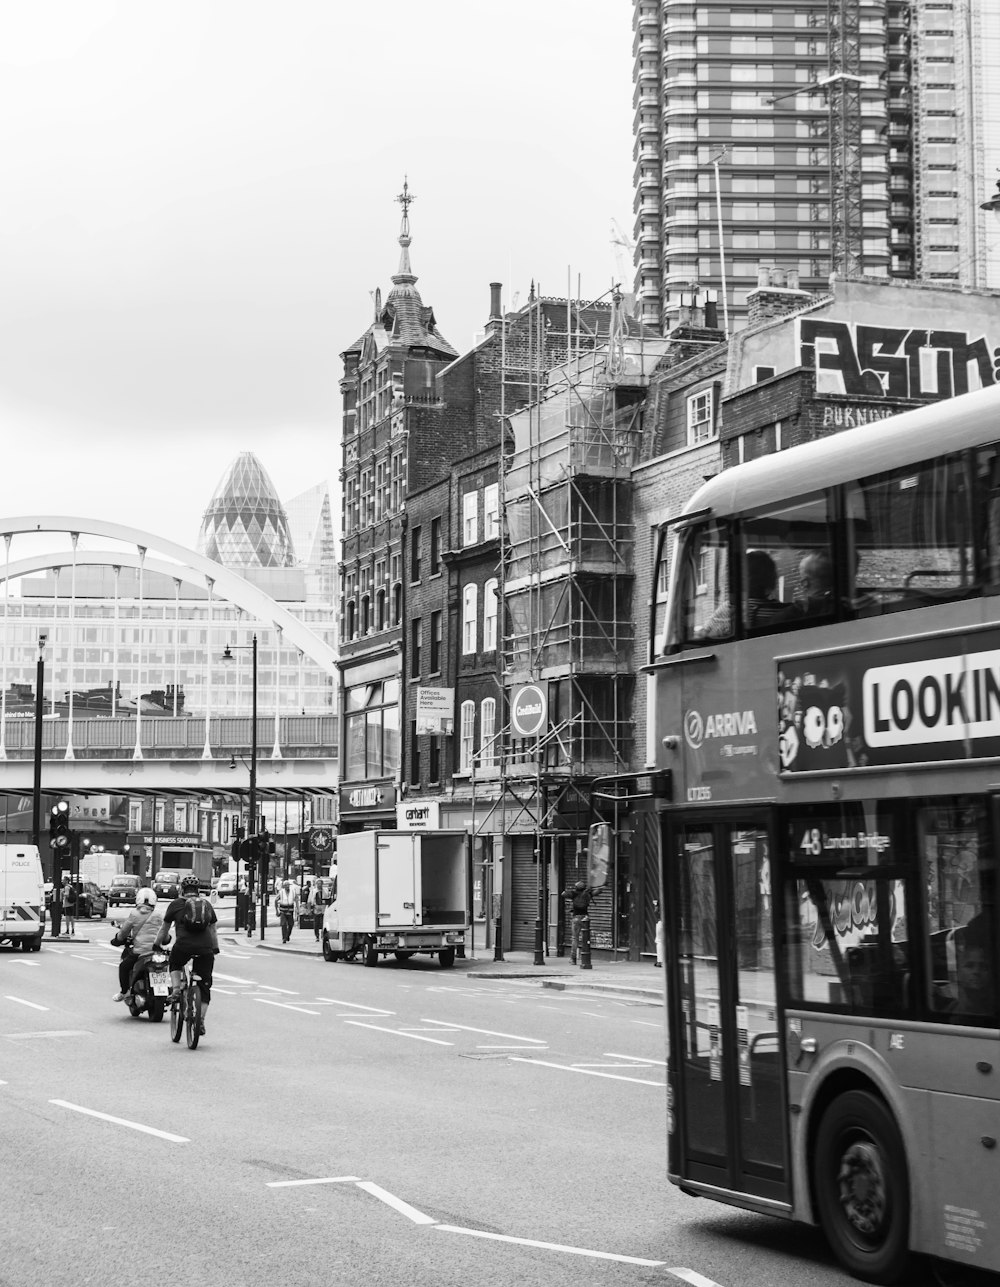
245, 524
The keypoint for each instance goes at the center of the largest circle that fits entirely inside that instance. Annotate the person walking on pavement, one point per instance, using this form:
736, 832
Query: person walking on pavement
316, 903
69, 907
288, 906
582, 896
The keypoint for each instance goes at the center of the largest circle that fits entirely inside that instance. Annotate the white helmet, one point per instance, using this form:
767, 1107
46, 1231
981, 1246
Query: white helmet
145, 897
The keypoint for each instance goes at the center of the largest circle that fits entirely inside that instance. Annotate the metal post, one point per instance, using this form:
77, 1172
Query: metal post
584, 943
36, 803
253, 789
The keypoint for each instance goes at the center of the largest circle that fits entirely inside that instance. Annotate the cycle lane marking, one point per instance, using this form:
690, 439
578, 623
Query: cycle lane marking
487, 1032
285, 1005
121, 1121
590, 1072
353, 1005
396, 1032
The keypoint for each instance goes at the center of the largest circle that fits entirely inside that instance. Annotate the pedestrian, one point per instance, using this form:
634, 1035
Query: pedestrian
68, 907
288, 906
582, 896
316, 903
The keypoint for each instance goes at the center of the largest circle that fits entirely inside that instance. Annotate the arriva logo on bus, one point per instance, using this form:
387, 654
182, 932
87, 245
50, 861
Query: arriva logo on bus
698, 729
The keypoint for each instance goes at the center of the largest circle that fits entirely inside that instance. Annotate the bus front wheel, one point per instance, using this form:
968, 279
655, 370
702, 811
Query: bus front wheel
862, 1191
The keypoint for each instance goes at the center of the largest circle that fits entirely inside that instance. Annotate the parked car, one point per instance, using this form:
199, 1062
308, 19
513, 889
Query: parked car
90, 901
226, 885
123, 890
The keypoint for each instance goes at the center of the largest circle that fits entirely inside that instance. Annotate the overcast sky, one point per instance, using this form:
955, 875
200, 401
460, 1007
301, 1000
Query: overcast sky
198, 204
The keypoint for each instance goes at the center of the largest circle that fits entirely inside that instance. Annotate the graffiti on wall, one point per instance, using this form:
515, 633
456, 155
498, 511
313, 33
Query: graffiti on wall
895, 361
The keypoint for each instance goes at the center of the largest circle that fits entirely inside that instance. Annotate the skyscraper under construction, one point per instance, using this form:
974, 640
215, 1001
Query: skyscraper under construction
811, 136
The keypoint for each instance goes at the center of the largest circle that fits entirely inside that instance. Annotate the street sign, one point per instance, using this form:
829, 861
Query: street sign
529, 710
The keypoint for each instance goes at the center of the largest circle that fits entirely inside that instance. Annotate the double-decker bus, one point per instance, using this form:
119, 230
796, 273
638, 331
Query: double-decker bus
826, 675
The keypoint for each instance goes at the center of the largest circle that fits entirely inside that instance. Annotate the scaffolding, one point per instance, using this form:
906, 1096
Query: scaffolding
574, 379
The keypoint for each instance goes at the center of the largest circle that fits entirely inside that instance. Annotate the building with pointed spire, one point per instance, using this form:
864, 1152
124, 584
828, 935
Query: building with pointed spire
390, 438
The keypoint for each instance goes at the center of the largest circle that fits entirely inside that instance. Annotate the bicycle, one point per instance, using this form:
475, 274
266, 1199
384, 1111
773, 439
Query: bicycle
185, 1010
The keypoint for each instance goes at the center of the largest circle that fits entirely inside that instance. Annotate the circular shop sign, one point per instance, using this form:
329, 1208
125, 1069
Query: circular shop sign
321, 839
529, 710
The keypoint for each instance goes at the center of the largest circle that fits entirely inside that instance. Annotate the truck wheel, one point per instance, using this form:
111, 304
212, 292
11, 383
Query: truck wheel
36, 944
862, 1188
447, 957
328, 953
26, 944
371, 952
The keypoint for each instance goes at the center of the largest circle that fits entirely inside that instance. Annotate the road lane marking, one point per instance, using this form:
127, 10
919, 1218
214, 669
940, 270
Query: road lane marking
645, 1023
332, 1179
56, 1032
122, 1121
395, 1032
285, 1005
638, 1059
550, 1246
21, 1001
693, 1277
234, 978
267, 987
353, 1005
503, 1047
487, 1032
397, 1204
590, 1072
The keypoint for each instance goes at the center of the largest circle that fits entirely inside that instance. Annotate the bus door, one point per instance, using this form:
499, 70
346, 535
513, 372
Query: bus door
725, 1046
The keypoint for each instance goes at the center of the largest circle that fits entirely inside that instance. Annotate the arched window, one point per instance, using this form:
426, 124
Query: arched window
466, 745
470, 615
397, 603
490, 608
380, 610
487, 730
365, 615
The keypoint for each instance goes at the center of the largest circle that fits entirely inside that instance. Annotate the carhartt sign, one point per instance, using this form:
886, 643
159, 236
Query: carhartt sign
529, 710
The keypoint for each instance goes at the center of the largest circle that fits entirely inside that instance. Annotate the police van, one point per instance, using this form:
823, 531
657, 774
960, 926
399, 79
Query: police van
22, 897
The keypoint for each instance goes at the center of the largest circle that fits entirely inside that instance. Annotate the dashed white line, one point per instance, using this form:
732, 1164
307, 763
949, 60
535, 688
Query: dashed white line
590, 1072
487, 1032
693, 1277
121, 1121
397, 1204
285, 1005
550, 1246
353, 1005
395, 1032
636, 1059
267, 987
21, 1001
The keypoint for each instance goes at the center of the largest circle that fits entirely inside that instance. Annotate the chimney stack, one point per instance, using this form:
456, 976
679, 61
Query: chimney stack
495, 319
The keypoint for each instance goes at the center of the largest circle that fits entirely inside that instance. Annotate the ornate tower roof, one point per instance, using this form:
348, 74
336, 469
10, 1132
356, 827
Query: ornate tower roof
245, 524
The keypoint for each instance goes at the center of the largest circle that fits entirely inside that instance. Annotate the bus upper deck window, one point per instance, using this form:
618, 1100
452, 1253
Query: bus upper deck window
703, 583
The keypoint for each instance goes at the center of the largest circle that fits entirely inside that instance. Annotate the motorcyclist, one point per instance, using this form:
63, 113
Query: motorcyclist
136, 935
200, 944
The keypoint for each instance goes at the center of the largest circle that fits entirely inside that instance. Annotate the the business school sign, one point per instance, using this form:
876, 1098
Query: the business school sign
900, 703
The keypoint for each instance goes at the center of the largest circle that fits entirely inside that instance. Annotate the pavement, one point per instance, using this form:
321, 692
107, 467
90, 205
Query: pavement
640, 979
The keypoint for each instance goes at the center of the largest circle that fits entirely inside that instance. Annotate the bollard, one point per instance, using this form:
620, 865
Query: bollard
585, 943
498, 939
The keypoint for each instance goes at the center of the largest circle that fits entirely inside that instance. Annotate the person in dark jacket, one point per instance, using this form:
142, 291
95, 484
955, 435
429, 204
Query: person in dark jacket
582, 896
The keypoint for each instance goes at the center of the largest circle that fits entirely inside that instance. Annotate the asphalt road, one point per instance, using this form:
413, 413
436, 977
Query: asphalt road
337, 1124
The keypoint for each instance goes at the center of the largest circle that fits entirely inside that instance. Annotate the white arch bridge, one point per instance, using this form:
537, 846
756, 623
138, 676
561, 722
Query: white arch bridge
133, 751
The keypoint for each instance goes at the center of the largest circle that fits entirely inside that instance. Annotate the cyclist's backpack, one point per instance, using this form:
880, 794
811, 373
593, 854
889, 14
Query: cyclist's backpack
197, 913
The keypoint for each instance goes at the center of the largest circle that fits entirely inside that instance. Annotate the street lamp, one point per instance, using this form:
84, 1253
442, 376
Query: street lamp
228, 660
993, 205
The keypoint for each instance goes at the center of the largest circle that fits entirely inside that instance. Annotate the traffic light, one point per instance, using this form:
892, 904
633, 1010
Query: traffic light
60, 839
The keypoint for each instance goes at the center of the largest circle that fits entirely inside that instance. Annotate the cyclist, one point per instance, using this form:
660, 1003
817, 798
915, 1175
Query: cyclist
136, 935
196, 942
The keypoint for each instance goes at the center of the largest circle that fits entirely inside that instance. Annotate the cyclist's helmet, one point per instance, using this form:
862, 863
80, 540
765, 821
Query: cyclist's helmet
190, 885
145, 897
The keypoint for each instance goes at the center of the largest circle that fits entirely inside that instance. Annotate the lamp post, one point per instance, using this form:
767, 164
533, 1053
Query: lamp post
991, 207
228, 659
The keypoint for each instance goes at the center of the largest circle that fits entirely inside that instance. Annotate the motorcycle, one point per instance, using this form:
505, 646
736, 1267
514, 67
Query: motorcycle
150, 985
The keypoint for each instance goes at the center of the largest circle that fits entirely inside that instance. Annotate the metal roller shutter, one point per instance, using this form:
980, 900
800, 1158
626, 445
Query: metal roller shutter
524, 894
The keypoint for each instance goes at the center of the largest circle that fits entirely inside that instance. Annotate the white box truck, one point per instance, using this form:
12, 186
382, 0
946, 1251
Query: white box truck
22, 897
399, 892
100, 867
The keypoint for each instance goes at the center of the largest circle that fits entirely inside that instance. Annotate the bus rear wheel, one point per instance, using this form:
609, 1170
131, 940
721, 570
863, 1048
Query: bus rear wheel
862, 1190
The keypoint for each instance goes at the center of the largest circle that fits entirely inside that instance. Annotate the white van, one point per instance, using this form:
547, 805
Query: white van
22, 897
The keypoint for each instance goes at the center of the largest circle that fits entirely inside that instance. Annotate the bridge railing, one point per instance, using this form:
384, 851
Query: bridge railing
170, 738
